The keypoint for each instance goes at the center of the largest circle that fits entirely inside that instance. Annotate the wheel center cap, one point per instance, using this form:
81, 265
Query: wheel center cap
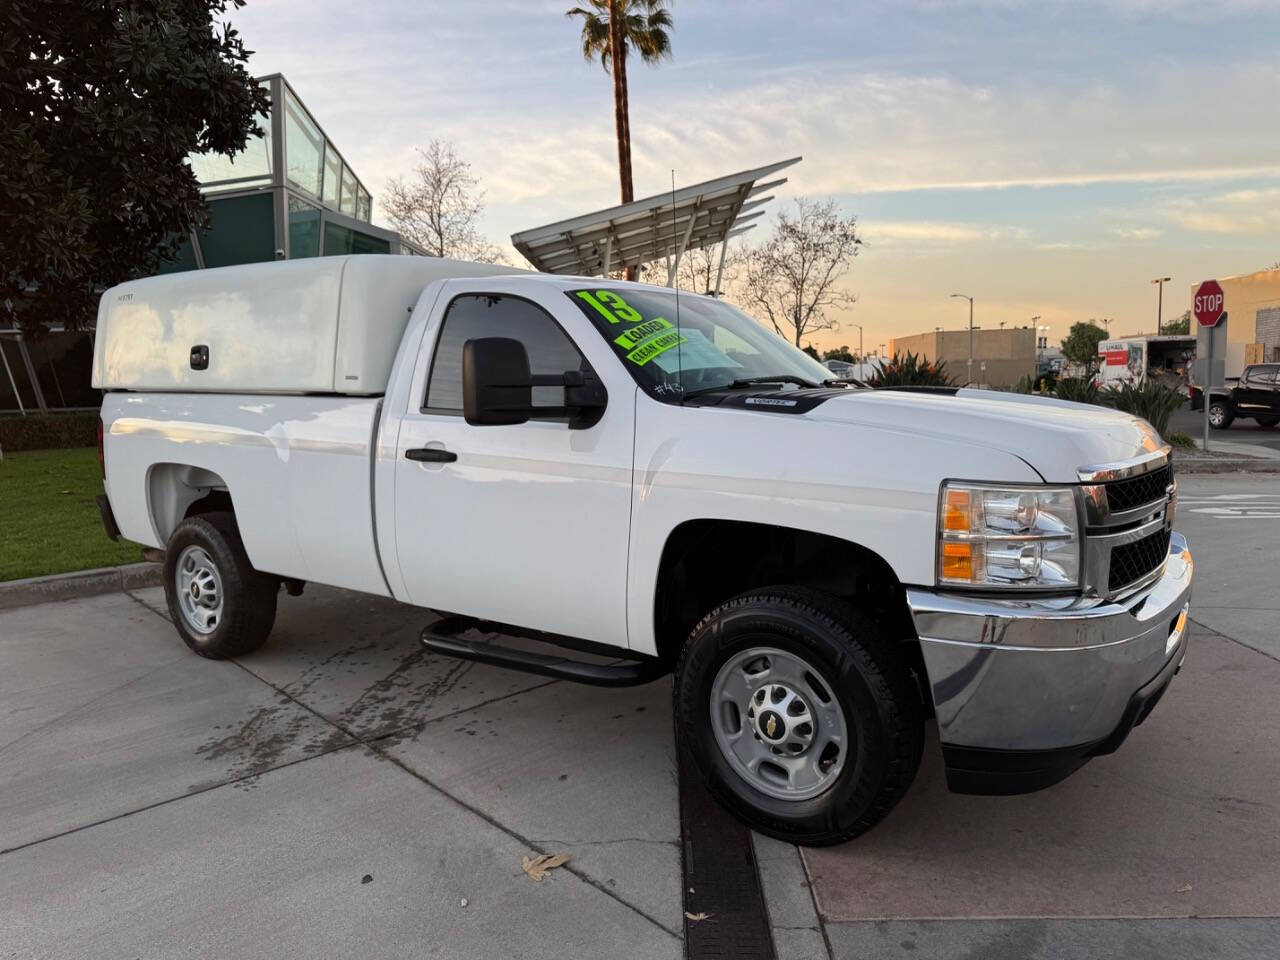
195, 591
771, 725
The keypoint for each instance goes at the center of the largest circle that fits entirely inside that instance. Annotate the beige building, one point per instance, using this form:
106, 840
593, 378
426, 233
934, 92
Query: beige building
1252, 302
1000, 357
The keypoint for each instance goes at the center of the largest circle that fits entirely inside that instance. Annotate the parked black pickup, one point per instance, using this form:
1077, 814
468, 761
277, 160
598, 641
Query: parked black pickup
1255, 393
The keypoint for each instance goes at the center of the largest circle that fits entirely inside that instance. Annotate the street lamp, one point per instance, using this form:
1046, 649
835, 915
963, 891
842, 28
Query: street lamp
965, 296
1160, 282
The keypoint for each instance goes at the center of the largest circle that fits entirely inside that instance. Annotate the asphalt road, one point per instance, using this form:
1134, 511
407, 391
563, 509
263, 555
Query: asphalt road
340, 794
1191, 422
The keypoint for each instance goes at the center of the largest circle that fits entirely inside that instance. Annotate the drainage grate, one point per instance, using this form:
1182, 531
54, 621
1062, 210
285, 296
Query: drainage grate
720, 869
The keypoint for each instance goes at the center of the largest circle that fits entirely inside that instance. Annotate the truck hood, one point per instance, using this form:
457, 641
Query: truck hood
1055, 437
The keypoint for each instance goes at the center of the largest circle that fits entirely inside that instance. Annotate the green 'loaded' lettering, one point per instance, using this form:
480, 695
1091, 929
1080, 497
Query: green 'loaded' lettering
654, 346
636, 335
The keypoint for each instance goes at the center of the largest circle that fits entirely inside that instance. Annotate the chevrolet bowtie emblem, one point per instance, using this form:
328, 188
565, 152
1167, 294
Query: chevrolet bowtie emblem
771, 725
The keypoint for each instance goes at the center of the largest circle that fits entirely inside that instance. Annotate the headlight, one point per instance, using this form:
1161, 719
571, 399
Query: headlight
994, 537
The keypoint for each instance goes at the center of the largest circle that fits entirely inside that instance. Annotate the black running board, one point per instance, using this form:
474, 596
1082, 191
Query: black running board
442, 638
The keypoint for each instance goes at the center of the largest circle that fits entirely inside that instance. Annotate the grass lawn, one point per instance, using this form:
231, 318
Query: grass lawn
48, 520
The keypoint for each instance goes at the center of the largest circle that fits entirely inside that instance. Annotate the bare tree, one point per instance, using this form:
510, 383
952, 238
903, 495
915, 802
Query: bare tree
792, 279
439, 206
699, 269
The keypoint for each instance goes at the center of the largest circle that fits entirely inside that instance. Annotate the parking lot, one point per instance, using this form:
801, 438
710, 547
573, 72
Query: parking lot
1191, 422
341, 794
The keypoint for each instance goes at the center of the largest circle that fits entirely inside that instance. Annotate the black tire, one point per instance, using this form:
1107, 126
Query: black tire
248, 609
860, 667
1221, 413
1266, 423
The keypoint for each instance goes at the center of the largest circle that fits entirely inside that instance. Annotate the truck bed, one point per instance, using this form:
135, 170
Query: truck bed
299, 469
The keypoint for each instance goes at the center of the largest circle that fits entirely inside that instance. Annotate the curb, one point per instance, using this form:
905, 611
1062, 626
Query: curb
80, 583
1186, 465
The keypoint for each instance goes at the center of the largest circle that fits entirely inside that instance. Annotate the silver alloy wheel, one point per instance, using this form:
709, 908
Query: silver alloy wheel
1217, 413
199, 587
778, 724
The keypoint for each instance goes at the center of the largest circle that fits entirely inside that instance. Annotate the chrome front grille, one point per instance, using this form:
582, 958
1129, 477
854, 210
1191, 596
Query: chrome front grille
1129, 511
1131, 562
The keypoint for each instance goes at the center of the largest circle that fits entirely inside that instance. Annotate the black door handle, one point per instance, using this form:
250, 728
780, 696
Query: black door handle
431, 455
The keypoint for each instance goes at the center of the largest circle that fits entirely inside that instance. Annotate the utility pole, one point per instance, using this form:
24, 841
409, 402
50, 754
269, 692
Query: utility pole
861, 358
969, 371
1160, 282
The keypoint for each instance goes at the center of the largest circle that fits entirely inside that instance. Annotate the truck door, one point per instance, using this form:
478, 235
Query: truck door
1251, 397
523, 524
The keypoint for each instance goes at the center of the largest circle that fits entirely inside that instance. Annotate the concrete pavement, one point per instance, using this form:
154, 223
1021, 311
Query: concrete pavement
156, 804
153, 803
1181, 824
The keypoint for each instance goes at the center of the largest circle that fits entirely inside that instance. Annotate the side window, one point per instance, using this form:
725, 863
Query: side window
472, 316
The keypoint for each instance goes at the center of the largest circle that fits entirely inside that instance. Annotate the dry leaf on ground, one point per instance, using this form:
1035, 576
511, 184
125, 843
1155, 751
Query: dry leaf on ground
1185, 888
695, 917
541, 865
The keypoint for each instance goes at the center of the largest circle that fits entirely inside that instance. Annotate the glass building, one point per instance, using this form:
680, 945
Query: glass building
288, 194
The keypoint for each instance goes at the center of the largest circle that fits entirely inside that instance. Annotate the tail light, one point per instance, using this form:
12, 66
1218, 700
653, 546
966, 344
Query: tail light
102, 454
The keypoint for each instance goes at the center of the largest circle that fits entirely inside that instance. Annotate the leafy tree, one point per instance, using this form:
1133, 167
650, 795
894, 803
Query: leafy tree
840, 353
610, 30
1179, 325
793, 279
440, 207
1081, 344
812, 351
910, 370
101, 102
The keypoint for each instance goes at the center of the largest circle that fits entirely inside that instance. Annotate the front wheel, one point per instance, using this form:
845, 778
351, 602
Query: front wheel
800, 713
1219, 416
221, 606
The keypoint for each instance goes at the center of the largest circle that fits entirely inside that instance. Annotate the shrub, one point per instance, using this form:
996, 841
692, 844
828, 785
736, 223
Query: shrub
1026, 384
1181, 440
1077, 390
54, 431
910, 370
1152, 401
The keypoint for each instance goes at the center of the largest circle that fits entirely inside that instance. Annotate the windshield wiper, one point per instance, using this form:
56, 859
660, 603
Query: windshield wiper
751, 382
844, 381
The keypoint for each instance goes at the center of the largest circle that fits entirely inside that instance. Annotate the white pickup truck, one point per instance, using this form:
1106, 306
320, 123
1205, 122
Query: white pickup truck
618, 468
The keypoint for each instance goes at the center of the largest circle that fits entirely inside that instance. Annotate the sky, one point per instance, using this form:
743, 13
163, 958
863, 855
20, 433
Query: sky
1047, 157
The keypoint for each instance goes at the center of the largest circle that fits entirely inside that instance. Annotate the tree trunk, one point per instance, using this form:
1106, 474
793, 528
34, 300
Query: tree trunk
621, 115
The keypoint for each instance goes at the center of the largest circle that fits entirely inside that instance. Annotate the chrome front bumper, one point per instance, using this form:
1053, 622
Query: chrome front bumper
1047, 676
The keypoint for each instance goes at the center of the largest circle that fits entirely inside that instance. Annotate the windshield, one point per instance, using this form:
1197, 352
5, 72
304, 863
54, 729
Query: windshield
708, 344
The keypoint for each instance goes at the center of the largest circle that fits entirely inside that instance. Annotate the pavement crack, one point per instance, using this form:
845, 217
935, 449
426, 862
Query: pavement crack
604, 843
161, 803
373, 747
148, 607
1224, 636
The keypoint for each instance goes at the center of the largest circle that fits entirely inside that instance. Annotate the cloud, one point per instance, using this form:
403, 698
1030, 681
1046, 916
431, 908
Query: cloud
1237, 211
1136, 233
924, 232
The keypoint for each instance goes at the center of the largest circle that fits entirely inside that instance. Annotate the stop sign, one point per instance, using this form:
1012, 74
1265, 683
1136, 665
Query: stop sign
1207, 303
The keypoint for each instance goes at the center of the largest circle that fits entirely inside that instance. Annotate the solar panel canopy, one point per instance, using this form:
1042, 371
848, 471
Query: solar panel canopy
661, 227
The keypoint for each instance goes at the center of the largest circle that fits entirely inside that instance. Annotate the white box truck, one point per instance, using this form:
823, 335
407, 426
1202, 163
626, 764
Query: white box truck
619, 468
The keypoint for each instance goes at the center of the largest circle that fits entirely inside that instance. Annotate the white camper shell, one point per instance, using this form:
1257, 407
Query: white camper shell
322, 325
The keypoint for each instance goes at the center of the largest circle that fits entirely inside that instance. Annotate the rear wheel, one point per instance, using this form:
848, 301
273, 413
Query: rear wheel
800, 713
221, 606
1220, 416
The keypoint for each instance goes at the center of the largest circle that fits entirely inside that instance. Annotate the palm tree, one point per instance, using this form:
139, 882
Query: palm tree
610, 28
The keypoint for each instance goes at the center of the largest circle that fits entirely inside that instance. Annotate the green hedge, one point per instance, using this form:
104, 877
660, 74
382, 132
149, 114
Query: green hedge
54, 431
